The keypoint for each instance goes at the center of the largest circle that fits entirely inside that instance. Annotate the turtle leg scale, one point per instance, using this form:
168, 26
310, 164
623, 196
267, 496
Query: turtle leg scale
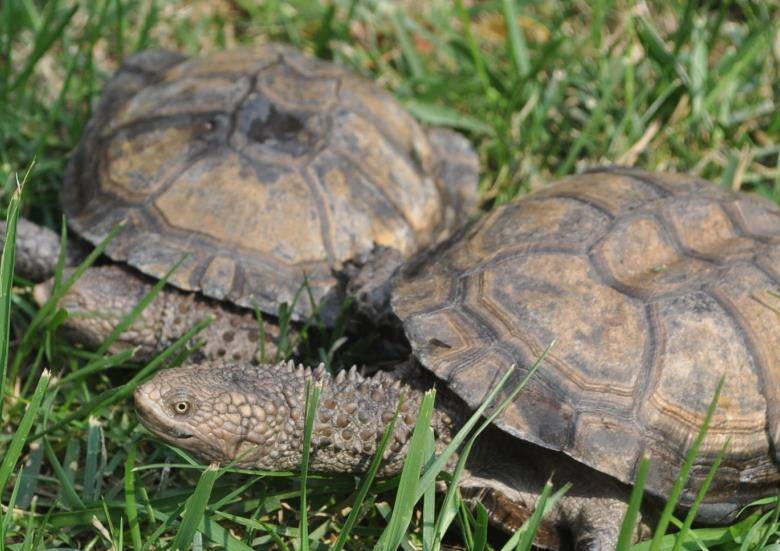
37, 250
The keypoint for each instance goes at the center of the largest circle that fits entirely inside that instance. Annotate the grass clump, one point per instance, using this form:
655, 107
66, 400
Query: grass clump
542, 89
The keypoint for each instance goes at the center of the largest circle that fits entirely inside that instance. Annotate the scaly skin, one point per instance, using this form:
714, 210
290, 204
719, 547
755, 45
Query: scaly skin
37, 250
103, 296
253, 417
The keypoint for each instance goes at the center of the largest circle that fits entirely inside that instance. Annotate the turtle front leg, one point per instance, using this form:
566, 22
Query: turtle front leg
597, 522
507, 476
104, 296
37, 250
595, 514
590, 515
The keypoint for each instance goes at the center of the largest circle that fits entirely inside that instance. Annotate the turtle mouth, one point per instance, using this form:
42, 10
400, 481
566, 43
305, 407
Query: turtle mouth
151, 419
179, 434
154, 426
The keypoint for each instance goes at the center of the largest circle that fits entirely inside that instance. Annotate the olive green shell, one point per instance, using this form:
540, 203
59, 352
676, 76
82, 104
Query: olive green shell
652, 287
262, 166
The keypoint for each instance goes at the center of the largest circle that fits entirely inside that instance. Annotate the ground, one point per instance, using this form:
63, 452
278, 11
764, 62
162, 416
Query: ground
542, 89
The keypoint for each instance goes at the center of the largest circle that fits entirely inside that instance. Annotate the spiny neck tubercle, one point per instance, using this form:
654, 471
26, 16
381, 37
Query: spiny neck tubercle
352, 415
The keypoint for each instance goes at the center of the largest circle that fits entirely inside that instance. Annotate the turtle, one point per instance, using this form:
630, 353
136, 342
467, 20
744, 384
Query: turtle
258, 169
652, 286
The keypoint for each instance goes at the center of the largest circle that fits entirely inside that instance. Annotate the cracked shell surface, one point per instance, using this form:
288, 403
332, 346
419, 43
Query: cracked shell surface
654, 286
262, 166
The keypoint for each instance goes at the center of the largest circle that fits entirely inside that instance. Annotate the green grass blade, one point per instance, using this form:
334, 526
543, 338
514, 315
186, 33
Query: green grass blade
131, 505
128, 320
476, 54
49, 309
406, 496
275, 536
698, 69
595, 120
149, 21
31, 477
313, 392
685, 27
774, 521
365, 484
549, 503
600, 10
70, 466
44, 41
5, 519
6, 50
67, 489
518, 47
634, 505
407, 47
325, 34
195, 508
260, 330
734, 64
19, 439
653, 43
167, 522
92, 471
99, 365
119, 33
6, 281
481, 529
436, 467
449, 507
441, 115
532, 525
691, 516
429, 500
674, 495
750, 539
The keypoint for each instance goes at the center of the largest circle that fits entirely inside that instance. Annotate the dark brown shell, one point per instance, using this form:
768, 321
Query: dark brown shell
653, 286
262, 165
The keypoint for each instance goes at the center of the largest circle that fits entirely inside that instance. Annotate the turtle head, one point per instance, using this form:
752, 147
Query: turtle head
99, 300
229, 413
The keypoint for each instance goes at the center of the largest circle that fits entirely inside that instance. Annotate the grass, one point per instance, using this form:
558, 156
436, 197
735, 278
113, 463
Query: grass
542, 89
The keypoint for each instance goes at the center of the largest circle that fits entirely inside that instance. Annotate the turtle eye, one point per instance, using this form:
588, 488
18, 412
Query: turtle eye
180, 407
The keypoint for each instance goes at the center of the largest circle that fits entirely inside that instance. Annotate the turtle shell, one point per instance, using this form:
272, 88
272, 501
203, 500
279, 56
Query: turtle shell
260, 168
653, 287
